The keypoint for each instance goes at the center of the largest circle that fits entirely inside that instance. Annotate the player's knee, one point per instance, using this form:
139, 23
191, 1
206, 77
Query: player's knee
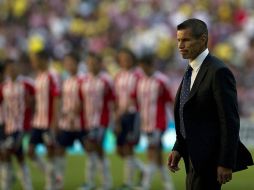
7, 156
51, 151
89, 146
128, 149
31, 152
20, 159
151, 153
60, 151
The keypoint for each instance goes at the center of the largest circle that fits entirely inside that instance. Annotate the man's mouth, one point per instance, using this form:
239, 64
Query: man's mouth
183, 51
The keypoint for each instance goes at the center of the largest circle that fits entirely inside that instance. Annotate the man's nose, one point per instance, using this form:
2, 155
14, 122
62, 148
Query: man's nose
181, 45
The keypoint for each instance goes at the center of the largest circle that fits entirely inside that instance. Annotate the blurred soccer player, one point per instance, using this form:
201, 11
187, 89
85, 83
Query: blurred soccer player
71, 123
97, 95
1, 119
153, 97
16, 95
45, 116
127, 130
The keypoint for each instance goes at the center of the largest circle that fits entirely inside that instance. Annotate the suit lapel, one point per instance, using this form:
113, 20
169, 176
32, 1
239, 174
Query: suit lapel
199, 78
177, 99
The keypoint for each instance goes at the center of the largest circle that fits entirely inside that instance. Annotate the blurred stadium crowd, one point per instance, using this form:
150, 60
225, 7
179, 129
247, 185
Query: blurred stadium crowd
143, 25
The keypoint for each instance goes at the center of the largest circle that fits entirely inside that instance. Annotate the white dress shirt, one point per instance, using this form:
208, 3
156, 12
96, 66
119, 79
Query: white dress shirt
196, 64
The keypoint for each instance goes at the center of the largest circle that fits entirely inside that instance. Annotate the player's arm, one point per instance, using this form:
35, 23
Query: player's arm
30, 96
168, 100
55, 114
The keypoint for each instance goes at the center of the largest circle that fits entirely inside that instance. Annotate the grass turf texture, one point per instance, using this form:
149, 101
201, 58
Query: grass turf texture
74, 176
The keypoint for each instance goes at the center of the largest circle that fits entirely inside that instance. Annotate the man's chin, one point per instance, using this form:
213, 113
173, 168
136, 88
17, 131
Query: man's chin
185, 56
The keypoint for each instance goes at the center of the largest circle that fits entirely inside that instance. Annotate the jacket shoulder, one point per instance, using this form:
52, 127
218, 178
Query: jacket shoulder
215, 63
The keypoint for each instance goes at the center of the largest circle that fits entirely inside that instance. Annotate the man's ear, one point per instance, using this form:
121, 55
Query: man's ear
203, 39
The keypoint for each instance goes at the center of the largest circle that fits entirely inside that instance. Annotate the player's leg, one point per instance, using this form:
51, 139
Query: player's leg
122, 132
7, 167
138, 164
125, 151
24, 174
82, 136
7, 176
39, 136
131, 162
49, 142
103, 160
120, 143
37, 160
91, 161
155, 162
166, 178
152, 166
122, 151
64, 139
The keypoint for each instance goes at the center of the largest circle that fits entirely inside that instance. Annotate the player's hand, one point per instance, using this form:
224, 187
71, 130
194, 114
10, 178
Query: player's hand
173, 161
224, 175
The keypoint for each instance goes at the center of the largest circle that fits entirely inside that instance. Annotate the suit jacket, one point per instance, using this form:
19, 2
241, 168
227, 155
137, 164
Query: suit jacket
211, 121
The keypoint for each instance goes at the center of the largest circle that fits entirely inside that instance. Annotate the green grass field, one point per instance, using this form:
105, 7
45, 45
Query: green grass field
243, 180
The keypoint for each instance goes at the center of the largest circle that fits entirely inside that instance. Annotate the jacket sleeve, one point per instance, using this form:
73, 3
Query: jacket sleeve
225, 94
180, 146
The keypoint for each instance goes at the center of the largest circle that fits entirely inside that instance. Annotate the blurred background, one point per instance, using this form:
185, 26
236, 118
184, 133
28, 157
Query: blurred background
144, 26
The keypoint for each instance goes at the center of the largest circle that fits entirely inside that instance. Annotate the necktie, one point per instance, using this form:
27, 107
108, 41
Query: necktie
185, 90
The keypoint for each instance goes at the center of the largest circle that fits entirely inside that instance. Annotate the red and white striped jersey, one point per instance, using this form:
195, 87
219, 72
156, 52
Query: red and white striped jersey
15, 96
152, 95
71, 116
46, 90
125, 84
29, 109
97, 94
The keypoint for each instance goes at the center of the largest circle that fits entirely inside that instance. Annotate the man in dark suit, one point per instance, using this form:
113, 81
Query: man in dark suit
206, 115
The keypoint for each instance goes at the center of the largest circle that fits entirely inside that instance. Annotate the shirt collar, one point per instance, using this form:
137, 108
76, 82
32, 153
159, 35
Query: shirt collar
196, 63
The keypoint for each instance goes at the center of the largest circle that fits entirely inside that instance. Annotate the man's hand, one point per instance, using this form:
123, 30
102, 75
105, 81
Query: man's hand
224, 175
173, 160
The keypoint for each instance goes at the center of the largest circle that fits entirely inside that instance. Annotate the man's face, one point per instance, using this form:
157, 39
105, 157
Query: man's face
70, 65
189, 46
125, 60
11, 70
36, 63
148, 69
93, 64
